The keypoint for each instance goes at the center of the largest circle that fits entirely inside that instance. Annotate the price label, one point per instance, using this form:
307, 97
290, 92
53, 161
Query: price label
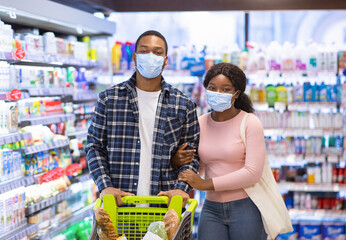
15, 95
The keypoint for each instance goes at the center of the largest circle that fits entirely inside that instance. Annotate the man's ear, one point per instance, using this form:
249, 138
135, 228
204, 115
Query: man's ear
165, 62
134, 58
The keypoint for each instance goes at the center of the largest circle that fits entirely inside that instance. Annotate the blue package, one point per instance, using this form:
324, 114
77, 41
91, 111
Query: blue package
291, 235
333, 230
310, 230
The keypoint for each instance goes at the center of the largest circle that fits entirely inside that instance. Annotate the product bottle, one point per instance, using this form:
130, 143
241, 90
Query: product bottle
301, 58
323, 92
312, 53
307, 92
290, 93
243, 60
271, 95
287, 62
235, 54
208, 60
262, 93
281, 94
116, 56
254, 93
298, 92
315, 93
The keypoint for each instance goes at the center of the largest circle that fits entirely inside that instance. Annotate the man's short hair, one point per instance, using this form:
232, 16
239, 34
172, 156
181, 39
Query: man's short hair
152, 33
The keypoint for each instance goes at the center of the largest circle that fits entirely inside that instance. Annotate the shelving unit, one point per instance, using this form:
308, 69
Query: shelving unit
16, 183
47, 146
47, 120
305, 187
76, 217
78, 135
14, 137
20, 232
48, 202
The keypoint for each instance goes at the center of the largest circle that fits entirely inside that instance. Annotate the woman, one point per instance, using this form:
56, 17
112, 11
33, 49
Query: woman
228, 212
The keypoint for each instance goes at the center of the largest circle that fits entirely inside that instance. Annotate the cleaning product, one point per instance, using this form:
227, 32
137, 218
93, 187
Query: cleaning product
274, 56
307, 92
271, 95
243, 59
287, 61
301, 58
235, 54
290, 93
123, 61
116, 56
315, 93
281, 95
312, 64
298, 92
261, 93
323, 92
254, 93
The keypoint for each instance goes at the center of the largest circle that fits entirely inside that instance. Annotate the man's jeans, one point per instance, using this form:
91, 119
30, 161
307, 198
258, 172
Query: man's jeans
233, 220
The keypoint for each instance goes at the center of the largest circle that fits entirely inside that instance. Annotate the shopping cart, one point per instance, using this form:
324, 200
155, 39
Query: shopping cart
133, 221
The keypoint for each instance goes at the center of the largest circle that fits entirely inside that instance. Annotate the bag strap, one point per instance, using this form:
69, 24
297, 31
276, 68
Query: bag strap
242, 128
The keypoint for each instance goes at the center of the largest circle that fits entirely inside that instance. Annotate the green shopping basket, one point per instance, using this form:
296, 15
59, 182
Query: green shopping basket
133, 221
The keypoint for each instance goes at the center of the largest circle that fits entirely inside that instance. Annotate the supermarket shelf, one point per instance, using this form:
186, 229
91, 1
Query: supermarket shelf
80, 117
303, 106
318, 213
302, 132
51, 63
78, 135
78, 216
83, 177
20, 232
48, 202
14, 137
85, 96
36, 92
305, 187
16, 183
47, 146
47, 120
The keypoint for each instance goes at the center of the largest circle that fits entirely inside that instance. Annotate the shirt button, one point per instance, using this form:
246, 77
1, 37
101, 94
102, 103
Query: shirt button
135, 184
138, 141
137, 163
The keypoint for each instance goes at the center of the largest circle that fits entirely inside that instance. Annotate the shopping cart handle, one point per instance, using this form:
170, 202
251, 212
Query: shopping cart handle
145, 199
193, 205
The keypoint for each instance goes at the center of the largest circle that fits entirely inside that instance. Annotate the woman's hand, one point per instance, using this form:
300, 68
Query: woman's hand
195, 181
182, 156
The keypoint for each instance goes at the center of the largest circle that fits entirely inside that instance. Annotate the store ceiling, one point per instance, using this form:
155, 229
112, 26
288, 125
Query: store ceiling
108, 6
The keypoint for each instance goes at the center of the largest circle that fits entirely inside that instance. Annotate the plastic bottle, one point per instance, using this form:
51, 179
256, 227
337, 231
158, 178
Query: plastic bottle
235, 54
298, 92
281, 95
254, 93
288, 61
312, 64
208, 60
332, 59
301, 58
175, 58
322, 58
307, 92
226, 55
271, 95
315, 93
274, 52
116, 56
243, 60
290, 93
323, 92
262, 93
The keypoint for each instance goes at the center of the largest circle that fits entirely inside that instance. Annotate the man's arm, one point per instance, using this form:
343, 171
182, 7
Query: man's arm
190, 135
96, 149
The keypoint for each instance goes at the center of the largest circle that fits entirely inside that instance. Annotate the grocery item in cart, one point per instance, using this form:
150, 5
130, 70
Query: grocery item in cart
171, 221
158, 228
106, 229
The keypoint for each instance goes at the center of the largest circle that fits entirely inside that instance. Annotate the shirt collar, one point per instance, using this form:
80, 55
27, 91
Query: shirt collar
131, 84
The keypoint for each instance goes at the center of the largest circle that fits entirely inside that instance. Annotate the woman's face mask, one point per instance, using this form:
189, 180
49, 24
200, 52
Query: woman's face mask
149, 65
219, 102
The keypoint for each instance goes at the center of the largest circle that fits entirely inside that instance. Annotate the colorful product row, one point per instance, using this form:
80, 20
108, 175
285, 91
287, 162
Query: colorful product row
10, 164
303, 120
12, 209
304, 145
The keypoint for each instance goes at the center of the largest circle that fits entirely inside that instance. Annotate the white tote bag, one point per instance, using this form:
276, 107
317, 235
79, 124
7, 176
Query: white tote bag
266, 196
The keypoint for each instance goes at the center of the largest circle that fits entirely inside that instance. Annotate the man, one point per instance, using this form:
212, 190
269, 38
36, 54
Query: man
137, 128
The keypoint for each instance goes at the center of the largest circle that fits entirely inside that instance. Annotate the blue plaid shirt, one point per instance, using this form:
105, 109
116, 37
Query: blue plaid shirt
113, 142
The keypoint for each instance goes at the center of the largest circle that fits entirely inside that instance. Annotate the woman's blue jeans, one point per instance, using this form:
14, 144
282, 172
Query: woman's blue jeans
233, 220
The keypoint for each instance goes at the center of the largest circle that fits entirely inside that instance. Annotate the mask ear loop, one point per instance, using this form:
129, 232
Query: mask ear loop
232, 104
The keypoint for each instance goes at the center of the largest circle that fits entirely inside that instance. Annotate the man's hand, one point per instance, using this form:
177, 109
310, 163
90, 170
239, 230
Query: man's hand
175, 192
117, 193
195, 181
182, 156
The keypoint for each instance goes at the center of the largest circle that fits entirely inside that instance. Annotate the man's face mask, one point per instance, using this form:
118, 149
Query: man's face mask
149, 65
219, 102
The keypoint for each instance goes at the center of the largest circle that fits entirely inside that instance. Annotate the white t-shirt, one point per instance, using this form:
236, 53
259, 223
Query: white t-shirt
147, 104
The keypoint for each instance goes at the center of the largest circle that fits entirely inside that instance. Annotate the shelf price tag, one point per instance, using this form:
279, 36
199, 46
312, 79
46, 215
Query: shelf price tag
20, 53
